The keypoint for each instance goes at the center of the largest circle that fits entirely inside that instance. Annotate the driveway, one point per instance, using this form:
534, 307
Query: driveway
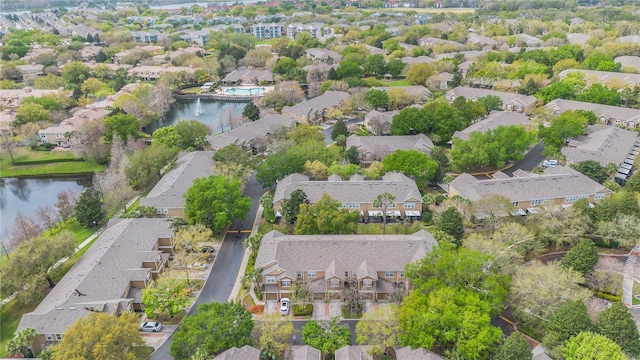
224, 270
327, 131
531, 160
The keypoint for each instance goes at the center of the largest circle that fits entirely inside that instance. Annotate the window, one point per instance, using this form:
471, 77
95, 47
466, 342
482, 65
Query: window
570, 199
409, 205
159, 258
354, 205
148, 278
49, 337
515, 203
388, 274
271, 279
401, 274
166, 211
367, 282
286, 283
299, 274
59, 337
311, 274
598, 196
159, 211
344, 205
335, 282
43, 136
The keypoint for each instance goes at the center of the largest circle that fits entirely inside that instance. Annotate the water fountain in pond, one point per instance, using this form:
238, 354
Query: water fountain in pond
199, 110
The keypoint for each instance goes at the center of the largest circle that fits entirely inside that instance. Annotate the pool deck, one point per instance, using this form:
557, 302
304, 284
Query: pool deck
220, 93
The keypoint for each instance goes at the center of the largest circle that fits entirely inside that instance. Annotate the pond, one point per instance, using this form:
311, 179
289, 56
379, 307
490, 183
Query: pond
218, 115
26, 194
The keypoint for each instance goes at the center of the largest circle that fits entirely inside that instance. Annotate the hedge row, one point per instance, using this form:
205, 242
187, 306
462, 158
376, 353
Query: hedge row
45, 161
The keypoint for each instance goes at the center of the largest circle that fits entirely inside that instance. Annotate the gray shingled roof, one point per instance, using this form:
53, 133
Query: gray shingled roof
244, 353
600, 110
260, 75
294, 253
604, 76
304, 352
101, 275
354, 190
250, 131
492, 121
169, 190
384, 145
411, 90
548, 186
628, 61
418, 60
475, 93
407, 353
602, 143
325, 101
352, 352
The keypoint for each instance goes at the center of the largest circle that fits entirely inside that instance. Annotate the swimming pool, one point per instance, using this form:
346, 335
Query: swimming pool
244, 91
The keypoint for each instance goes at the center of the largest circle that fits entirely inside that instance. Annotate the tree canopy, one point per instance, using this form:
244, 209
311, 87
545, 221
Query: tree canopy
148, 163
215, 201
412, 163
566, 126
592, 169
515, 347
588, 345
88, 210
326, 216
582, 257
617, 323
124, 125
326, 336
215, 328
101, 336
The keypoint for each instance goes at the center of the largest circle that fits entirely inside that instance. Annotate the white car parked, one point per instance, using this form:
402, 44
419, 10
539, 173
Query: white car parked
151, 326
550, 163
285, 306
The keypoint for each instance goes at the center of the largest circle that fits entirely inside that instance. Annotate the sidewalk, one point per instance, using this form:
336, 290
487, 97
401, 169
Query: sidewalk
245, 260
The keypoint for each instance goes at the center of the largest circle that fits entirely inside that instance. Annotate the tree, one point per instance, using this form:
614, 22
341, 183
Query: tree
395, 67
439, 155
340, 128
192, 134
592, 169
101, 336
633, 184
29, 266
47, 216
8, 143
21, 342
348, 69
274, 332
251, 111
31, 113
187, 245
74, 73
24, 228
375, 65
89, 142
88, 210
588, 345
351, 155
568, 125
450, 222
616, 323
215, 201
379, 329
167, 295
291, 206
66, 204
376, 98
148, 163
215, 328
539, 290
570, 320
345, 171
515, 347
493, 148
124, 125
167, 136
278, 165
326, 336
449, 318
418, 74
375, 170
412, 163
325, 217
301, 293
252, 243
582, 257
384, 201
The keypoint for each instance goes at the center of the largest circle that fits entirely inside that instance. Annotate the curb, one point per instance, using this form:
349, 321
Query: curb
245, 258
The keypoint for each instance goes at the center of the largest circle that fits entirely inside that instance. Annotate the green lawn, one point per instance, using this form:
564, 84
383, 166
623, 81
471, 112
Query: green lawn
399, 82
7, 169
431, 10
636, 291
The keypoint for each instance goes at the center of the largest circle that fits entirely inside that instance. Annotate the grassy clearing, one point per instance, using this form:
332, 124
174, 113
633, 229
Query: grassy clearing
399, 82
8, 169
10, 315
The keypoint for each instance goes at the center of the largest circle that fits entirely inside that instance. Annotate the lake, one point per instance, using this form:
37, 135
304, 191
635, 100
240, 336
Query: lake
26, 194
218, 115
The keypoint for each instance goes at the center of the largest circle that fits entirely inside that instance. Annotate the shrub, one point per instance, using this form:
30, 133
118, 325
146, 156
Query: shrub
610, 297
302, 309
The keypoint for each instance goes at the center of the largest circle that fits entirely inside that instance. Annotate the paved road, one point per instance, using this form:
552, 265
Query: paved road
531, 160
298, 324
327, 132
225, 269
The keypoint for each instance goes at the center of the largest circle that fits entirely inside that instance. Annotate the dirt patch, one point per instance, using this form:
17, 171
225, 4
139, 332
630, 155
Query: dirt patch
256, 309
